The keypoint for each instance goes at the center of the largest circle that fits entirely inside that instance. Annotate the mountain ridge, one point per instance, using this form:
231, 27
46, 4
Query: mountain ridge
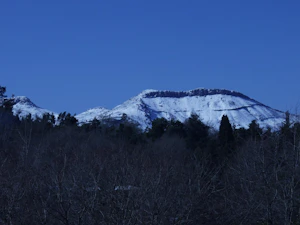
209, 104
149, 93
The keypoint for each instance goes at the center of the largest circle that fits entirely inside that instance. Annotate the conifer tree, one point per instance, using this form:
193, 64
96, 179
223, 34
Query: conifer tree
196, 132
159, 127
176, 128
226, 137
286, 127
2, 92
254, 130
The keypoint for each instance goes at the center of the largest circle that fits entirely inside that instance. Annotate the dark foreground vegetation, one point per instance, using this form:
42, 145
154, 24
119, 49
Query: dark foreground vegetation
173, 173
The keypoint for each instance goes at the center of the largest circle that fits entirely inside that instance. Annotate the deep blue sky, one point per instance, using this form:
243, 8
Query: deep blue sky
74, 55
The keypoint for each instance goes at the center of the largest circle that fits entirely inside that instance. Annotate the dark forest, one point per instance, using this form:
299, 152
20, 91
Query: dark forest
111, 172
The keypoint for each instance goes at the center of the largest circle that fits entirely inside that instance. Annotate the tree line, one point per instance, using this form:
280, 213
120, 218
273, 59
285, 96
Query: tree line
111, 172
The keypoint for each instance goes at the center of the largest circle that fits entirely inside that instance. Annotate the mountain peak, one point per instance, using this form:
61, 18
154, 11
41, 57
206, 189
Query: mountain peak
209, 104
23, 100
22, 106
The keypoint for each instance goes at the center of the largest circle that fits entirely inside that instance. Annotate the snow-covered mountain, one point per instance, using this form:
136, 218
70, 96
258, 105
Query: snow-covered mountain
23, 106
89, 115
209, 104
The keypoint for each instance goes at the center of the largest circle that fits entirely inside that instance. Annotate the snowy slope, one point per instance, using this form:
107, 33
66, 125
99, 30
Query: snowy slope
209, 104
23, 106
91, 114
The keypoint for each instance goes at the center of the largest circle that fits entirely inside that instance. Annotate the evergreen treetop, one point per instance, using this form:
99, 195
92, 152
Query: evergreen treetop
2, 92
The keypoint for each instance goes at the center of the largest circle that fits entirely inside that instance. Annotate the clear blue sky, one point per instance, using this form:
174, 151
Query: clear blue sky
74, 55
